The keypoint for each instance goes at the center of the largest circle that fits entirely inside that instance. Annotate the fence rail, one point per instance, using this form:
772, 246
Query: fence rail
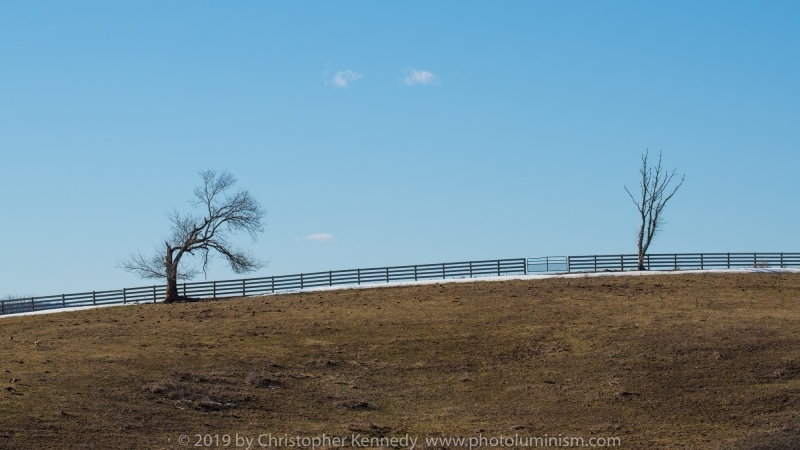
467, 269
681, 261
272, 284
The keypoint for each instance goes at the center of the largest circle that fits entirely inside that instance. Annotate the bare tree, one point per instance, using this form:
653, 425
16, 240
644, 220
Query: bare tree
654, 198
198, 235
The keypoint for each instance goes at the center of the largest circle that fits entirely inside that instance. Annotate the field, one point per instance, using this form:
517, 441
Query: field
665, 361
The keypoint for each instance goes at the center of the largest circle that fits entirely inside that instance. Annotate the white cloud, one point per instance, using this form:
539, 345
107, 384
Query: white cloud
343, 78
319, 237
419, 77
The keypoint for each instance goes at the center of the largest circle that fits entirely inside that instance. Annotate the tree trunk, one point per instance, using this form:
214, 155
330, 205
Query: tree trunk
172, 289
641, 247
172, 277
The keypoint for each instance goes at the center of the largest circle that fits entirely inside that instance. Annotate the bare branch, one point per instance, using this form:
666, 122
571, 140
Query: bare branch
152, 267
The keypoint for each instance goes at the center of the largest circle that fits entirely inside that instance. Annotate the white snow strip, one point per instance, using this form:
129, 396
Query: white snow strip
67, 309
461, 280
538, 277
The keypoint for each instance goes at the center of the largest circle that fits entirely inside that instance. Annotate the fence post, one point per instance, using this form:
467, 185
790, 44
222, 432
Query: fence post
2, 306
470, 269
755, 261
273, 284
358, 275
154, 294
525, 266
244, 293
569, 266
443, 271
330, 278
94, 298
387, 274
498, 267
415, 271
729, 260
184, 289
63, 301
301, 281
595, 263
675, 256
214, 289
701, 261
621, 265
781, 260
547, 264
124, 296
33, 305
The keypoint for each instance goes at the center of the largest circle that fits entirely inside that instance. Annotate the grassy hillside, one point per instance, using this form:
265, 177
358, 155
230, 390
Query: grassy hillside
696, 361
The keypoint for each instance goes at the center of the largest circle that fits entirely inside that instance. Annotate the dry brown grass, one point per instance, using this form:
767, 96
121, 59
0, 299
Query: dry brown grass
696, 361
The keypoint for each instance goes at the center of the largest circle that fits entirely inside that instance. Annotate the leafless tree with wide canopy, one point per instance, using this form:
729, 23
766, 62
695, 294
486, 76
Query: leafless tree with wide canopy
221, 215
651, 203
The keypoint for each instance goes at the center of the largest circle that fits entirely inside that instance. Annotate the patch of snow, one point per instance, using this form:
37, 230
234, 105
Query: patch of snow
541, 277
67, 309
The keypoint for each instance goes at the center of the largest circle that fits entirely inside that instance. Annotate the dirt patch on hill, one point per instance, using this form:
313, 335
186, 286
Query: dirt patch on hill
697, 361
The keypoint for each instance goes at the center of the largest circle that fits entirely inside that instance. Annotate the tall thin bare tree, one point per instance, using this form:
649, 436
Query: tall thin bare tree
651, 203
221, 215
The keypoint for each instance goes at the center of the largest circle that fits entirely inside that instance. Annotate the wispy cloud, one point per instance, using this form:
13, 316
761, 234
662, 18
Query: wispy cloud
342, 79
415, 76
319, 237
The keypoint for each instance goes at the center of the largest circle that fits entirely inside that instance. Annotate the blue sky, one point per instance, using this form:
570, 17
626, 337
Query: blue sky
410, 132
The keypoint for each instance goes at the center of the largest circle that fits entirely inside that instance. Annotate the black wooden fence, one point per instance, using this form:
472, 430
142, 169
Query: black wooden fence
681, 261
268, 285
468, 269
